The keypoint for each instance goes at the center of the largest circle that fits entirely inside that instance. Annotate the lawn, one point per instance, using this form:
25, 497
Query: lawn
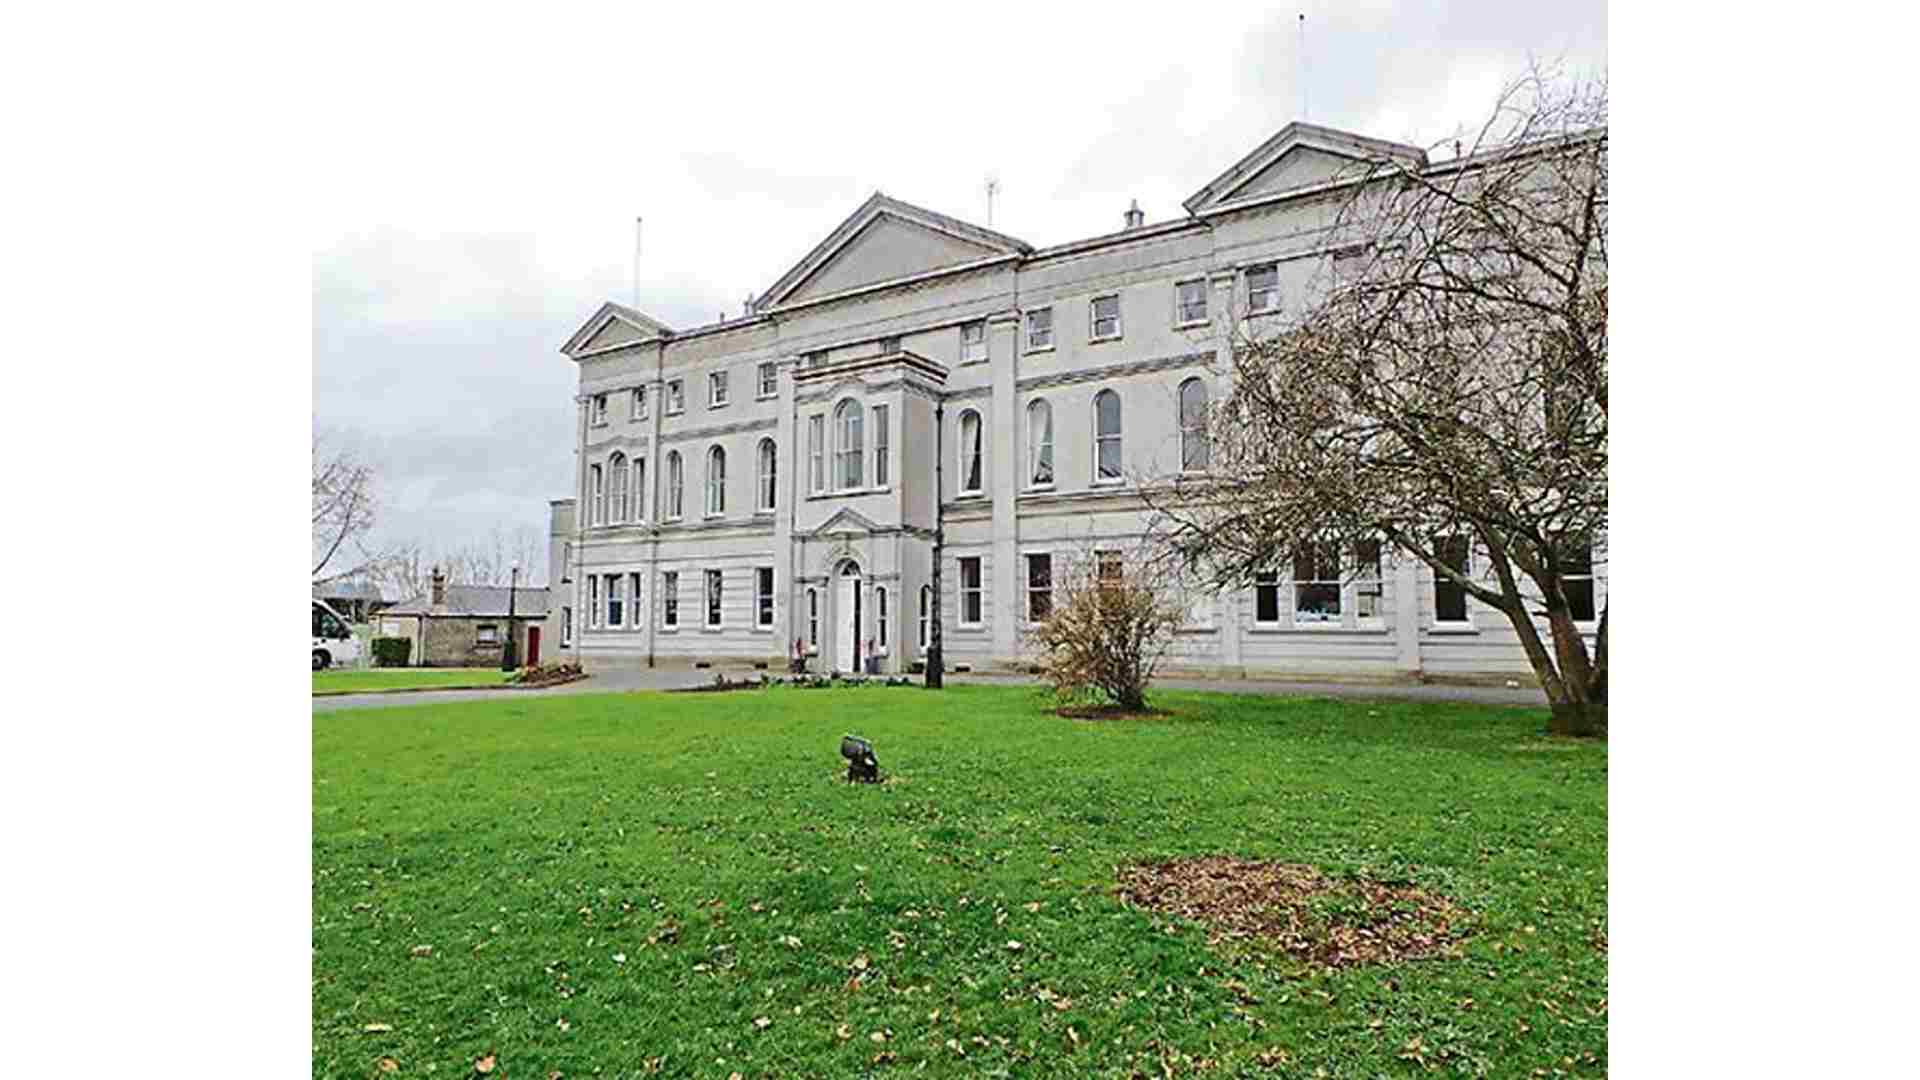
349, 682
620, 885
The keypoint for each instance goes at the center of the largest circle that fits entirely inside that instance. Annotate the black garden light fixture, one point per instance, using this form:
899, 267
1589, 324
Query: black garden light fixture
862, 766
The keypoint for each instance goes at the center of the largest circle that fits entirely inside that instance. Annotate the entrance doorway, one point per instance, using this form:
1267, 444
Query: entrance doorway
533, 646
846, 611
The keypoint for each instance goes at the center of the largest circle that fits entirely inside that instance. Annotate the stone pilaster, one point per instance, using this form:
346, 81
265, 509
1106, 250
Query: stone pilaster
1003, 339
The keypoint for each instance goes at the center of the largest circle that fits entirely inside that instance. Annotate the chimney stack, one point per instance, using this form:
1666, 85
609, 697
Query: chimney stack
1135, 218
439, 588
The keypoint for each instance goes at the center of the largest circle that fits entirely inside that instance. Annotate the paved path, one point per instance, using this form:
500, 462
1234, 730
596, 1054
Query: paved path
607, 682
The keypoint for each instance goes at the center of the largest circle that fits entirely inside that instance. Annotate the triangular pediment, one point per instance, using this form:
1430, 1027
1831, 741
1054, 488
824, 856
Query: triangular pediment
1299, 157
887, 240
846, 519
611, 326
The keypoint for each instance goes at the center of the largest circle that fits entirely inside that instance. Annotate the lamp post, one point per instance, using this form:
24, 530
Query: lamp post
510, 656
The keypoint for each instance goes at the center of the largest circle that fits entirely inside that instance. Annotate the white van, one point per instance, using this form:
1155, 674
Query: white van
333, 642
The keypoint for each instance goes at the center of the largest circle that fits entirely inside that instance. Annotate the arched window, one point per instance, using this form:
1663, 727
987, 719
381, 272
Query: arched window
765, 486
926, 607
674, 486
1039, 443
597, 505
716, 481
849, 443
970, 452
639, 489
617, 487
1106, 436
880, 613
1193, 426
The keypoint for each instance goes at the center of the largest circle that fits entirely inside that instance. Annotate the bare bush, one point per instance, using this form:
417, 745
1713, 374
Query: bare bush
1111, 620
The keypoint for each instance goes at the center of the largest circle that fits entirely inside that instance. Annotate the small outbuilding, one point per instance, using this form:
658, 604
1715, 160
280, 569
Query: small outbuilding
467, 625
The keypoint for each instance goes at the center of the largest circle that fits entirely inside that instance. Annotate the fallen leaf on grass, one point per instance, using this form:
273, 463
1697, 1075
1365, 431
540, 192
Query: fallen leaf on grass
843, 1032
377, 1027
387, 1064
878, 1036
423, 950
484, 1064
790, 941
1032, 908
762, 1022
1014, 946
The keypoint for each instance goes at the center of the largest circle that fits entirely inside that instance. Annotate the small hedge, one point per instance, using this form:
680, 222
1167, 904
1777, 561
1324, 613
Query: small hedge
391, 651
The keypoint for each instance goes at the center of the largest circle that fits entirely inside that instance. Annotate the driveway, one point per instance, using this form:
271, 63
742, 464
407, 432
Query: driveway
621, 681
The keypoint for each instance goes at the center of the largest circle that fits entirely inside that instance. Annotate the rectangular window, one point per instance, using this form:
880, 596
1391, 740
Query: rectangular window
487, 634
1449, 598
1263, 288
1366, 579
616, 600
594, 614
973, 341
639, 489
1190, 301
763, 596
670, 599
716, 389
1108, 569
1039, 587
676, 396
1266, 598
1039, 329
1576, 579
970, 591
813, 620
599, 409
880, 446
639, 405
817, 454
889, 346
1316, 583
713, 598
815, 359
1348, 265
634, 617
769, 380
880, 614
566, 626
1106, 318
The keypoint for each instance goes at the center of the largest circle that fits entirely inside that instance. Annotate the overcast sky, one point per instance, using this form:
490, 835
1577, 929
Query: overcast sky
483, 175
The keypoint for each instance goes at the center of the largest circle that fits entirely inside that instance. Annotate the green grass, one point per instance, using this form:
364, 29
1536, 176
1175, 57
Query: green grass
353, 682
531, 841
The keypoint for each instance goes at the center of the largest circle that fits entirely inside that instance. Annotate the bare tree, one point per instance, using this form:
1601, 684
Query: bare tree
1110, 620
344, 506
490, 560
1449, 384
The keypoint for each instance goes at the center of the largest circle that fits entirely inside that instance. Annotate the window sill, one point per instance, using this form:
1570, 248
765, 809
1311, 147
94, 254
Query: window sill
765, 511
711, 405
1034, 350
1322, 628
970, 628
766, 397
1038, 489
959, 495
1255, 313
1197, 631
972, 363
845, 493
1452, 628
1118, 481
1103, 340
1193, 324
713, 629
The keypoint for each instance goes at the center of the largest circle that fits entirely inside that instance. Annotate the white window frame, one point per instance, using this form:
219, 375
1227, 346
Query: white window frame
637, 404
926, 615
766, 486
763, 597
977, 590
636, 582
1181, 318
616, 601
889, 345
717, 389
1272, 291
1466, 598
849, 445
1118, 437
1269, 579
639, 488
1035, 446
880, 617
619, 484
817, 453
599, 410
974, 351
714, 598
566, 625
768, 380
1093, 319
882, 445
1593, 586
1324, 576
979, 452
676, 396
676, 485
813, 621
595, 616
597, 495
1026, 560
1027, 330
1194, 431
716, 496
670, 599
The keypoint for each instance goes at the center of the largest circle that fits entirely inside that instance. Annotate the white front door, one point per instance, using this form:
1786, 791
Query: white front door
846, 610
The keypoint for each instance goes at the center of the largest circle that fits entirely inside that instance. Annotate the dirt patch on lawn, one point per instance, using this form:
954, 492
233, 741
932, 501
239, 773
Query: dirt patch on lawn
1318, 920
1109, 712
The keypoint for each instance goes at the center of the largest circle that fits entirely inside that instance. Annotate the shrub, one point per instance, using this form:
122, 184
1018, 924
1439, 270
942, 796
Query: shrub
391, 651
1110, 623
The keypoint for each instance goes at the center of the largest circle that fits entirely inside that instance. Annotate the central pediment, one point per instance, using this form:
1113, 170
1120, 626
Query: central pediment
887, 240
1299, 157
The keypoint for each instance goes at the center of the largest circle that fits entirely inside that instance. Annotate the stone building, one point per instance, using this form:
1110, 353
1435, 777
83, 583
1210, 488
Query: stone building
467, 625
775, 482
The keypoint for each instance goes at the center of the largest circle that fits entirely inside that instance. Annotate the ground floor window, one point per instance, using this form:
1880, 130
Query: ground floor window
1039, 587
880, 614
670, 599
1266, 598
616, 600
970, 595
813, 620
1316, 583
1107, 568
763, 596
713, 598
1576, 580
593, 601
487, 634
926, 607
633, 620
1449, 597
566, 626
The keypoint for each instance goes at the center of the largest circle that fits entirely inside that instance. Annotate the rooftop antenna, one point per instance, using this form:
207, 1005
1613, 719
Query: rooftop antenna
993, 188
636, 262
1306, 114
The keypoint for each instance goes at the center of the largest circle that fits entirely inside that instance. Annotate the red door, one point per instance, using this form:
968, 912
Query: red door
533, 646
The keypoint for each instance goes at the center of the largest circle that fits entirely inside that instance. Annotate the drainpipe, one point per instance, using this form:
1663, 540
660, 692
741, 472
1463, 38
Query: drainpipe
936, 675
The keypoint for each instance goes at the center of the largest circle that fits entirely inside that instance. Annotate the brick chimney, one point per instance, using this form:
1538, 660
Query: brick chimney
439, 595
1135, 216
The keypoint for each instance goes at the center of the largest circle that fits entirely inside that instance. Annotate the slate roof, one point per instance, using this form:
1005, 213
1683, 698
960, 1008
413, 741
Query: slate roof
477, 602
